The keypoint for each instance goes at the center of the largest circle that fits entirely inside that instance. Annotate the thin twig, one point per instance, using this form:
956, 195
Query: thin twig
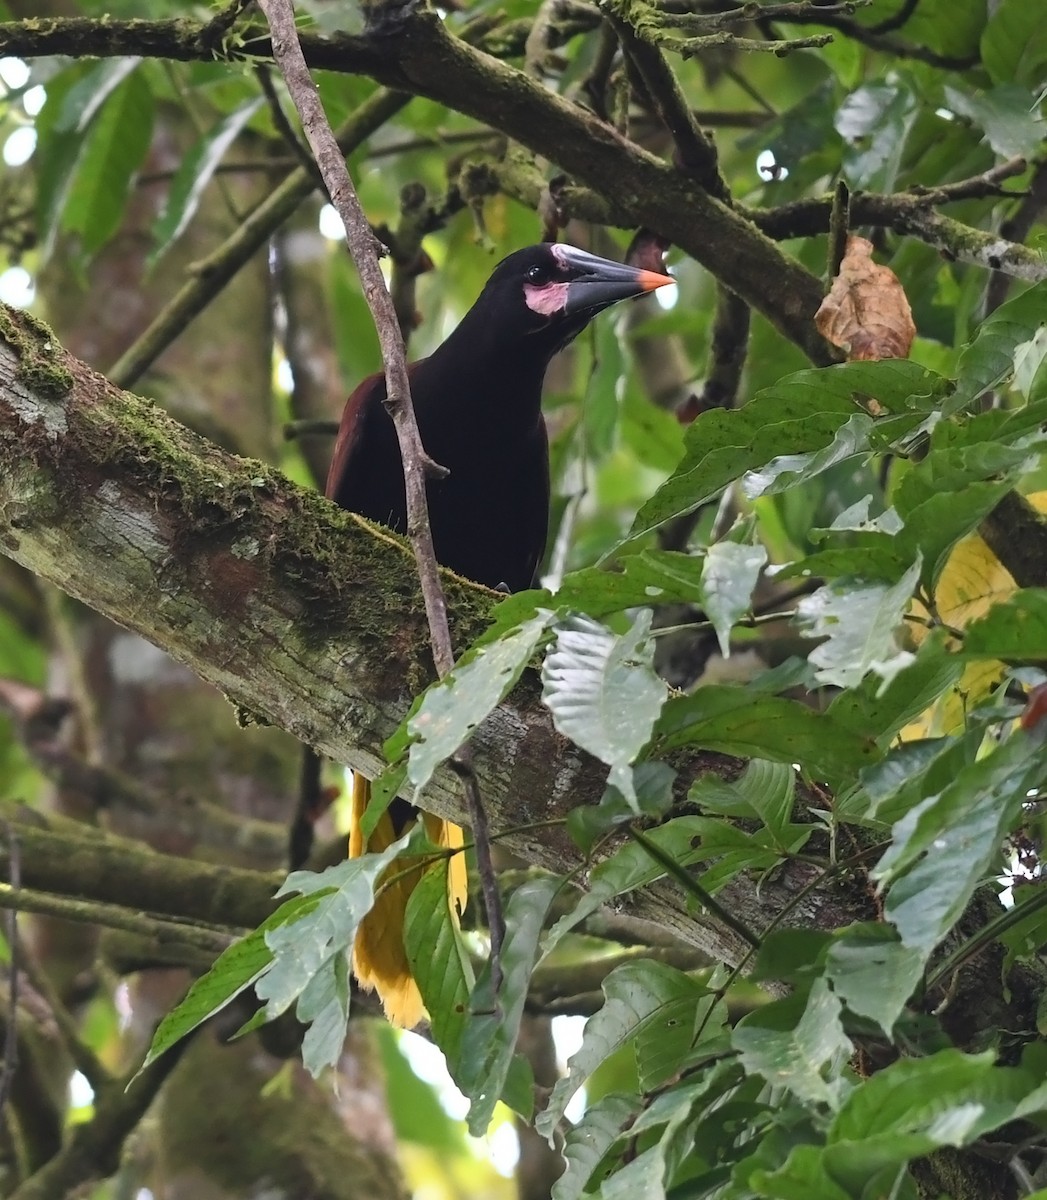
696, 152
417, 465
7, 1074
283, 126
839, 228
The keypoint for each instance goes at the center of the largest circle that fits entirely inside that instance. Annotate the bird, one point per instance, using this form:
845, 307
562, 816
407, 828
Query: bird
477, 400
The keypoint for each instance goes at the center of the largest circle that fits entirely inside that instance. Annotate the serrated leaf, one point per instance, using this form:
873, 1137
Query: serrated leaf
858, 624
603, 692
454, 707
799, 414
323, 1007
194, 174
232, 972
637, 996
304, 952
492, 1030
798, 1044
728, 578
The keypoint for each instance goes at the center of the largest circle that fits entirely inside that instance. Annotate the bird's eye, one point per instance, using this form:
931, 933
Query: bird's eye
538, 274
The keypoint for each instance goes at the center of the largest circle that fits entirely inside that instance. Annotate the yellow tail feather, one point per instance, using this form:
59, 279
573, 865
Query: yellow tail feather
379, 959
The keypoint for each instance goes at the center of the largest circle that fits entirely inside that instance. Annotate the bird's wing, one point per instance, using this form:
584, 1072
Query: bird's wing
357, 412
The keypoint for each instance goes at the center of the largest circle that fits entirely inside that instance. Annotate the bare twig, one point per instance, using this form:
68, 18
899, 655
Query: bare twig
10, 1065
282, 124
696, 152
839, 228
416, 463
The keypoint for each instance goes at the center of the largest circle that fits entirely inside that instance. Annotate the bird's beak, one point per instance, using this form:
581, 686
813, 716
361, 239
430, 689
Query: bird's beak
603, 282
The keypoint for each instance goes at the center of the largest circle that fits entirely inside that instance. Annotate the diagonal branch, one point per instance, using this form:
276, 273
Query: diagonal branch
306, 616
425, 58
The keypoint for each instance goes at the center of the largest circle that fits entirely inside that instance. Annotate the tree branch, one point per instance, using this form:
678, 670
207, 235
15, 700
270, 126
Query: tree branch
306, 616
426, 59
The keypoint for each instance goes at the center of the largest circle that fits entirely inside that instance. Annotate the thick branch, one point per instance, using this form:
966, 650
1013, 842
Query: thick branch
426, 59
304, 615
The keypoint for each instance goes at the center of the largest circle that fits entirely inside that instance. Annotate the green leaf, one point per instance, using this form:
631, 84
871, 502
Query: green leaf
452, 708
736, 721
940, 521
876, 119
788, 470
416, 1112
492, 1030
631, 867
74, 97
765, 791
638, 996
915, 1106
232, 972
1011, 126
799, 414
588, 1141
798, 1043
1014, 43
873, 973
989, 358
857, 624
112, 152
653, 781
309, 960
603, 693
1015, 628
942, 848
439, 962
194, 174
728, 578
881, 711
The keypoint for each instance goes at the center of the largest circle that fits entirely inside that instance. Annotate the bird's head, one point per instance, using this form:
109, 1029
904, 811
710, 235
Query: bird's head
551, 291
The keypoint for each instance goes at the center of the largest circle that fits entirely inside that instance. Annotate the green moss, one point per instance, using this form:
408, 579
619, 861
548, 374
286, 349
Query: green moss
39, 354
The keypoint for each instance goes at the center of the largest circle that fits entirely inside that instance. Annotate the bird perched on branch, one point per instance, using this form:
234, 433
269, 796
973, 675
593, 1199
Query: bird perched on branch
478, 403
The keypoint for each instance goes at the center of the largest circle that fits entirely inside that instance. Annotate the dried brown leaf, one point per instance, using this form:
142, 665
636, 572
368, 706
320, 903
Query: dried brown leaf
866, 312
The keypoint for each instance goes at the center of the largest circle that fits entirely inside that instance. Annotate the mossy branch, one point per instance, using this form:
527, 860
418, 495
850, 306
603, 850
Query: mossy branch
304, 615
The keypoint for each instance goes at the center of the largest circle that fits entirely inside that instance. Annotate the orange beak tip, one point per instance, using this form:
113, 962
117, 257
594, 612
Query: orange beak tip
649, 280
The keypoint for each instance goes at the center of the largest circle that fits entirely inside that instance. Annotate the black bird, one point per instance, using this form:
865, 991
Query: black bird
478, 403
